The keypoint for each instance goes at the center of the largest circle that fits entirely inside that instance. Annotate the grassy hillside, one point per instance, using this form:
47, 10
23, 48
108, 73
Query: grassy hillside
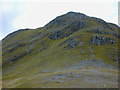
70, 42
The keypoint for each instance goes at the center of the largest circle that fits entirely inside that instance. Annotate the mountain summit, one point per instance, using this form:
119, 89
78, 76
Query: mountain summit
69, 43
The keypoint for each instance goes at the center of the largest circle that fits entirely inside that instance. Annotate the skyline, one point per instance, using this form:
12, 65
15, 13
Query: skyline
33, 14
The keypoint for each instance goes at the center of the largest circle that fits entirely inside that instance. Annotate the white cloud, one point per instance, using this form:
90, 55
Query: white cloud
38, 14
9, 11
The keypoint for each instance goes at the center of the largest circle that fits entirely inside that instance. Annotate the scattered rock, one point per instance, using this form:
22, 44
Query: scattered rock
59, 74
94, 63
93, 60
62, 81
81, 44
82, 51
90, 49
104, 85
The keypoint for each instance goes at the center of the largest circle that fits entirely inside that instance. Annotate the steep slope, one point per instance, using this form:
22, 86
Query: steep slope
69, 42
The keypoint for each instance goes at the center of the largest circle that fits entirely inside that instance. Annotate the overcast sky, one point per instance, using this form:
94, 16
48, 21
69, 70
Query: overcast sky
20, 14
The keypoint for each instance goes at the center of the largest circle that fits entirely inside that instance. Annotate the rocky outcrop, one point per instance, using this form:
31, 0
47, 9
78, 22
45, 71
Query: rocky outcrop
98, 30
69, 29
75, 15
70, 43
56, 35
74, 26
117, 35
65, 20
99, 40
103, 23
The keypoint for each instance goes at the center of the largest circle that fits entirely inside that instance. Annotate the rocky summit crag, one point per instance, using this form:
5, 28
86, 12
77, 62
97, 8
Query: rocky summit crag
69, 42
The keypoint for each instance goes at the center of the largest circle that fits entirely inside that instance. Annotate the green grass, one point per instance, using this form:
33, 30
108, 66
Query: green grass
50, 56
100, 78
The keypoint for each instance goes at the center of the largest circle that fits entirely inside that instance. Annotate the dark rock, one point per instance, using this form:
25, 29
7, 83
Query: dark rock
59, 22
11, 50
45, 35
75, 15
56, 35
74, 26
103, 23
117, 35
72, 44
67, 41
81, 44
66, 35
29, 51
59, 74
98, 30
98, 40
71, 28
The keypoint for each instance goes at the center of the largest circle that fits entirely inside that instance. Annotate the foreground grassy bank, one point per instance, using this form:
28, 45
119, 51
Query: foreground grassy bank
82, 78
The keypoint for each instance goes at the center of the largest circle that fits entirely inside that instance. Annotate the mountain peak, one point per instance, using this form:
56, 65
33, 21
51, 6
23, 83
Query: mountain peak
60, 51
71, 12
66, 19
75, 14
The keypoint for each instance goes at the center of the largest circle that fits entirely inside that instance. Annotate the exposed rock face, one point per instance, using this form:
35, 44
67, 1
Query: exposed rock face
67, 41
74, 26
70, 43
103, 23
69, 29
66, 19
75, 15
98, 30
99, 40
117, 35
56, 35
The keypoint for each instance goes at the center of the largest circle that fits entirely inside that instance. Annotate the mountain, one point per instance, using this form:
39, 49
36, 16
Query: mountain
71, 44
